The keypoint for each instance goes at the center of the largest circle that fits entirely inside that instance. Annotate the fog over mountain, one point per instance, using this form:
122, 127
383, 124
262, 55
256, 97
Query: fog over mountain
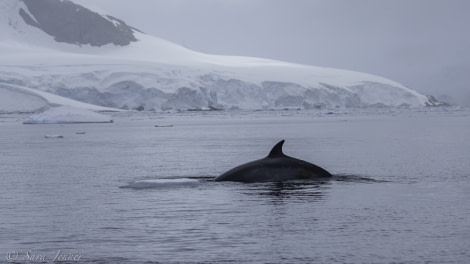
63, 48
421, 43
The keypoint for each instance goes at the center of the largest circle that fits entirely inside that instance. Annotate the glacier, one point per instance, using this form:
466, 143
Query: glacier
150, 73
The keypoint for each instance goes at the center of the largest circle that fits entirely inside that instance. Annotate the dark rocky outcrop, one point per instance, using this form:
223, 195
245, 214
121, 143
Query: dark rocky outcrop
71, 23
432, 101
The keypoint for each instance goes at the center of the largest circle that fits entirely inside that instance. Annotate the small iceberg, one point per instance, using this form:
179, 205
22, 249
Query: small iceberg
67, 115
54, 136
162, 183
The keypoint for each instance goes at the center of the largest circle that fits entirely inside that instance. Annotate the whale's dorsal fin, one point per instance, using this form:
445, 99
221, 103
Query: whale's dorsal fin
276, 152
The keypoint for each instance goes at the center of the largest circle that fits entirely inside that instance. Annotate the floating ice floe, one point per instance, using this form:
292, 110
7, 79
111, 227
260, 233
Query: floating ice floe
67, 115
162, 183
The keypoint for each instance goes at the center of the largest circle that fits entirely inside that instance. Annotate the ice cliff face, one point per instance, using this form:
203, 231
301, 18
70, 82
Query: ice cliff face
52, 45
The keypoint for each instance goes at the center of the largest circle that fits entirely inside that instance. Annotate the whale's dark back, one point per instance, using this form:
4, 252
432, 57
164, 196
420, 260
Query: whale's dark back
275, 167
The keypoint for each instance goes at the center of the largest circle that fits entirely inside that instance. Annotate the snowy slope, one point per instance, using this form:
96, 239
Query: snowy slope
67, 115
25, 100
152, 73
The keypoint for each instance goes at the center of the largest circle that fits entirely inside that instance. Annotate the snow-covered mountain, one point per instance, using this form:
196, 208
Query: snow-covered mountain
66, 49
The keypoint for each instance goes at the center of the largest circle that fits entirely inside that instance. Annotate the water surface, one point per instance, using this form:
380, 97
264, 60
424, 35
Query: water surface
400, 194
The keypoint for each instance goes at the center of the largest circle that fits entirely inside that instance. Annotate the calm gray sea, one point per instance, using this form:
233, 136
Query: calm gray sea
400, 194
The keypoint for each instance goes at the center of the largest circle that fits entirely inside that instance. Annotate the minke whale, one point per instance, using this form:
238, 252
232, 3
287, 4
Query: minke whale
275, 167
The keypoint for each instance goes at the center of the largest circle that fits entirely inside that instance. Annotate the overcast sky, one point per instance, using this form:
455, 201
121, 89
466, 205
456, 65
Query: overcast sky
423, 44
